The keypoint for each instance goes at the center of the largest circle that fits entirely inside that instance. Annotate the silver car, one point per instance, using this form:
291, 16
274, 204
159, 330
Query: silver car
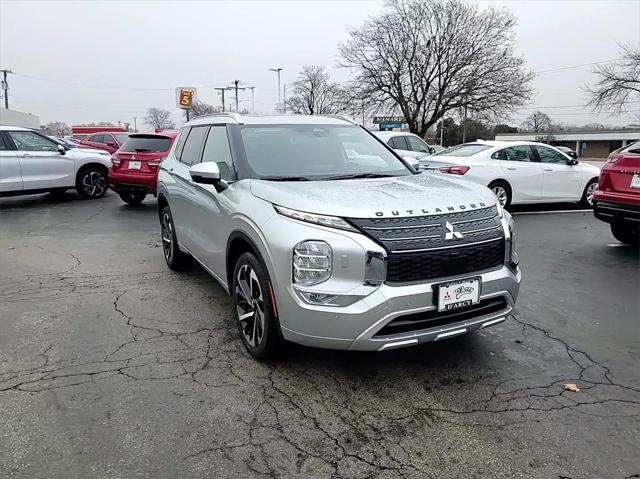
324, 236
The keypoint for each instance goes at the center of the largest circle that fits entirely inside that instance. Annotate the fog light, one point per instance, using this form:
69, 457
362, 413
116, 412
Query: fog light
318, 298
311, 262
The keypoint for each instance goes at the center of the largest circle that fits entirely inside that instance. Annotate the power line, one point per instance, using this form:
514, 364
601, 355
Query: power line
563, 106
559, 69
589, 113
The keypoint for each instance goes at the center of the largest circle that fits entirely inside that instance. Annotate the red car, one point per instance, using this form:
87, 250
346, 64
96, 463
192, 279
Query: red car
617, 200
109, 141
134, 167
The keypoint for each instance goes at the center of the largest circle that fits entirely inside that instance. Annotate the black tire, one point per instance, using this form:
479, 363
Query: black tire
498, 187
587, 195
627, 234
132, 197
176, 260
91, 182
251, 295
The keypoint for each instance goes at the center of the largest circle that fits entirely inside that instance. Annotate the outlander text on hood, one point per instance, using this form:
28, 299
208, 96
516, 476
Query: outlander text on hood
324, 236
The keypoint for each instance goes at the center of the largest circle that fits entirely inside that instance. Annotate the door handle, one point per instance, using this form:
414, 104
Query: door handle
26, 155
511, 168
548, 169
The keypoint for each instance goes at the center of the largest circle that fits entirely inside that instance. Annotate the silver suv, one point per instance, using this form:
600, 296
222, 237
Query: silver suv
326, 237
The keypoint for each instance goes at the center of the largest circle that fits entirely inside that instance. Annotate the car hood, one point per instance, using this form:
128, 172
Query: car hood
84, 154
414, 195
90, 151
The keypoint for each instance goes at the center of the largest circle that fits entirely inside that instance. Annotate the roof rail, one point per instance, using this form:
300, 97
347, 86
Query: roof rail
342, 117
236, 116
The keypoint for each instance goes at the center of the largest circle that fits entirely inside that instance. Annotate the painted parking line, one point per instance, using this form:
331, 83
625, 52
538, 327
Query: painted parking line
549, 212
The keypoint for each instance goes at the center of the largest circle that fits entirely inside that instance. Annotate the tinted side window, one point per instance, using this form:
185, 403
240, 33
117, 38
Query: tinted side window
184, 132
416, 145
3, 145
108, 138
193, 146
97, 138
398, 143
547, 155
30, 141
217, 149
514, 153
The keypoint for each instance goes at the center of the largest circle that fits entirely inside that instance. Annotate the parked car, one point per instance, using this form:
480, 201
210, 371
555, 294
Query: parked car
406, 144
617, 199
108, 141
319, 249
568, 151
31, 162
519, 172
133, 173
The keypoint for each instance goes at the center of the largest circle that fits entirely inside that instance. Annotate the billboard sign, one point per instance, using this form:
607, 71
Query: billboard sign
185, 97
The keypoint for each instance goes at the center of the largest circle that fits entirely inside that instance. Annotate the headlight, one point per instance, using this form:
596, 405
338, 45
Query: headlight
322, 220
510, 256
311, 262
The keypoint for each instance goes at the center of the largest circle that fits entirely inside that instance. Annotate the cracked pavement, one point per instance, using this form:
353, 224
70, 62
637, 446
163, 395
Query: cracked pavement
113, 366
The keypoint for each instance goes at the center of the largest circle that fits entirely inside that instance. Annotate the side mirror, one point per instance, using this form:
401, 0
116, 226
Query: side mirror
207, 173
412, 162
61, 149
572, 162
112, 144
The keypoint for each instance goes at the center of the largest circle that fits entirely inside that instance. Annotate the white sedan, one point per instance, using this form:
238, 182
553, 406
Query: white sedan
31, 162
519, 172
405, 144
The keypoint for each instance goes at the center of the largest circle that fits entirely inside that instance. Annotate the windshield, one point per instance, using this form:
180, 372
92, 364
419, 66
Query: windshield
317, 152
467, 149
146, 144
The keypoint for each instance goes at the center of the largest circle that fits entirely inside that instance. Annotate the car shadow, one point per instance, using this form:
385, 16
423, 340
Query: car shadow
39, 200
545, 207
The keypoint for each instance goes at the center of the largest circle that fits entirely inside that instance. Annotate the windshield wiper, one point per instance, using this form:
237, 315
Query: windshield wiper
285, 178
361, 175
143, 150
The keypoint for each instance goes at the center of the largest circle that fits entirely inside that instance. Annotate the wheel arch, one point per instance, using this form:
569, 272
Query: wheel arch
162, 202
91, 164
239, 242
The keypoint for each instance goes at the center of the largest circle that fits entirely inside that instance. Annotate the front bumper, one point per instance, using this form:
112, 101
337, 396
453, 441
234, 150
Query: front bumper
359, 326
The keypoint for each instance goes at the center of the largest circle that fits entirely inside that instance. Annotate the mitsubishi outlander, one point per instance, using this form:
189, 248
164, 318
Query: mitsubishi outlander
324, 236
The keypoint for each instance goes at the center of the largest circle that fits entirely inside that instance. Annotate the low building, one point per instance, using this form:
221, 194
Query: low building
588, 144
80, 132
18, 118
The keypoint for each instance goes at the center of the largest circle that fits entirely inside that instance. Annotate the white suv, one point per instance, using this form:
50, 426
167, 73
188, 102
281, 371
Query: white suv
31, 162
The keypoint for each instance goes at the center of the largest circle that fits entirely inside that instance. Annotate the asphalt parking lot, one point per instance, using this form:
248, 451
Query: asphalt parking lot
113, 366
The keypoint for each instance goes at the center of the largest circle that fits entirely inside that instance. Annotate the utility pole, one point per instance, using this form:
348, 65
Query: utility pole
222, 90
236, 87
277, 70
5, 87
135, 124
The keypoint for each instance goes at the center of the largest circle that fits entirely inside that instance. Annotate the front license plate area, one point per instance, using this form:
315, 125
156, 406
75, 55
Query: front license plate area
635, 181
134, 165
458, 294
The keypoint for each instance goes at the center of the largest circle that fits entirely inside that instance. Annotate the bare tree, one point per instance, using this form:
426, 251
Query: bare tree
57, 128
201, 108
537, 122
159, 119
426, 58
618, 83
314, 93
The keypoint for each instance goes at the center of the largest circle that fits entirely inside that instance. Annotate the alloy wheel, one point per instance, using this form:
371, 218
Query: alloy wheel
250, 305
94, 184
591, 189
501, 194
167, 237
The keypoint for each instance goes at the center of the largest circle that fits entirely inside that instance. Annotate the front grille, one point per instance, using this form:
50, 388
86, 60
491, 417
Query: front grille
428, 247
420, 266
433, 319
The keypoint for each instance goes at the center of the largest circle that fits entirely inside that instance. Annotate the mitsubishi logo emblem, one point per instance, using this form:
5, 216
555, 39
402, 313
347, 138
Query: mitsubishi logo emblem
451, 233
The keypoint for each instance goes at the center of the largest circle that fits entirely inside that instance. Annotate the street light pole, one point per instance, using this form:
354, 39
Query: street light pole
253, 103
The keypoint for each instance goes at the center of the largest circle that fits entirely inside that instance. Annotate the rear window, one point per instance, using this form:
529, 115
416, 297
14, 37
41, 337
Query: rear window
143, 144
467, 149
633, 148
121, 137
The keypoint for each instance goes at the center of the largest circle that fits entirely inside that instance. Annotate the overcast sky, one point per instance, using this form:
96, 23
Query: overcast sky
107, 61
